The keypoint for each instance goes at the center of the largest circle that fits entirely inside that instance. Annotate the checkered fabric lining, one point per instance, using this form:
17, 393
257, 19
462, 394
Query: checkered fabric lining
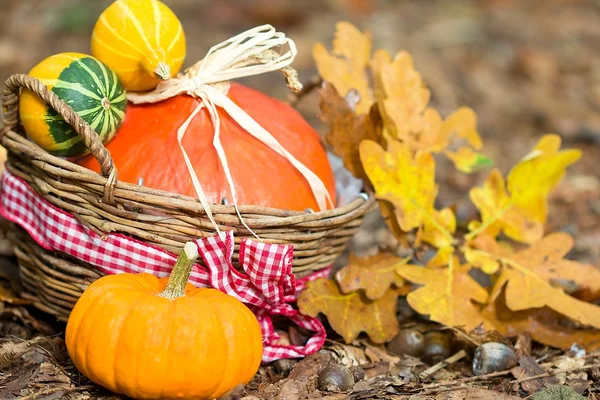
266, 286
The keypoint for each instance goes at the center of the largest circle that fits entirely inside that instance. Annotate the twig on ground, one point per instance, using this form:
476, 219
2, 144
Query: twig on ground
443, 389
464, 380
308, 87
443, 364
558, 371
498, 374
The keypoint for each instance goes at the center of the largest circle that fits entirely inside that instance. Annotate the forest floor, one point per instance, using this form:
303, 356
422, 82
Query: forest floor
525, 68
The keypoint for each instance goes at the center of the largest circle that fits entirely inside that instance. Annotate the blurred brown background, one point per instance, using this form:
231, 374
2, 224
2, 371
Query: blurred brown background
527, 67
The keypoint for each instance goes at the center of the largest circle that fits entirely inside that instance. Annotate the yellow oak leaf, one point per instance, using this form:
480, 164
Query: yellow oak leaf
398, 178
406, 182
499, 213
436, 229
375, 274
345, 67
447, 295
400, 93
347, 129
527, 275
519, 207
533, 178
403, 98
353, 313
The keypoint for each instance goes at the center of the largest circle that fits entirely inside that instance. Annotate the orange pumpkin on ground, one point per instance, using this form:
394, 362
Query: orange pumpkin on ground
151, 338
146, 147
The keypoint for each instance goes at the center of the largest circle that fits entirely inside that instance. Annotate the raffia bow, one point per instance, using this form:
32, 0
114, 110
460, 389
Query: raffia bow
249, 53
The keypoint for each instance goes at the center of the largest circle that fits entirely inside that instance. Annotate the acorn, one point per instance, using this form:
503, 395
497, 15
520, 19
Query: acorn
407, 341
493, 357
437, 347
335, 378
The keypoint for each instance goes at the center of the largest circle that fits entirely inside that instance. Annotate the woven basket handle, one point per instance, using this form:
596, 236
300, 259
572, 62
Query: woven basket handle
92, 141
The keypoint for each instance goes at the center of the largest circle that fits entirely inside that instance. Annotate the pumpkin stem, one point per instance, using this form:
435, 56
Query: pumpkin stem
181, 272
163, 71
105, 103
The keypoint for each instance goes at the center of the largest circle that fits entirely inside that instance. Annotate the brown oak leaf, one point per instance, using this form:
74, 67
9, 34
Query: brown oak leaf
375, 274
347, 129
353, 313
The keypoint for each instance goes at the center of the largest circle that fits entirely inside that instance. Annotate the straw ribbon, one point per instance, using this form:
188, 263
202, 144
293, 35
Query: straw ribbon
246, 54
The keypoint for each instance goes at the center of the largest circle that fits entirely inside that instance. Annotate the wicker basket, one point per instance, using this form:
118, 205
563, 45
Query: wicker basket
104, 204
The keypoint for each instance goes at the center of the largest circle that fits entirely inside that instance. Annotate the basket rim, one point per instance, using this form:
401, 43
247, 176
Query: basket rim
107, 181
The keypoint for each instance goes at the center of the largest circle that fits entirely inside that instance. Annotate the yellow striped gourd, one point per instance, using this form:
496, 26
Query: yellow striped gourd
89, 87
141, 40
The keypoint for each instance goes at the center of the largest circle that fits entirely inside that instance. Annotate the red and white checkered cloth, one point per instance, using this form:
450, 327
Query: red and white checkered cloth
266, 286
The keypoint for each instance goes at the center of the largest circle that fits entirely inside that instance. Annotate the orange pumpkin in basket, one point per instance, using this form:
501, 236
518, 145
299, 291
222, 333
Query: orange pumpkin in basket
146, 147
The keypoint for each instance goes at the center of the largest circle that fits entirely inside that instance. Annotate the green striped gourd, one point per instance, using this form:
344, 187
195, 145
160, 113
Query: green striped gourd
89, 87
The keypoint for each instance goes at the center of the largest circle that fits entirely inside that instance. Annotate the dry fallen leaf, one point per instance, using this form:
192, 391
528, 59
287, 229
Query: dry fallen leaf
447, 294
567, 364
375, 274
345, 67
470, 393
527, 276
378, 353
350, 314
21, 314
519, 207
528, 368
346, 128
347, 355
544, 325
